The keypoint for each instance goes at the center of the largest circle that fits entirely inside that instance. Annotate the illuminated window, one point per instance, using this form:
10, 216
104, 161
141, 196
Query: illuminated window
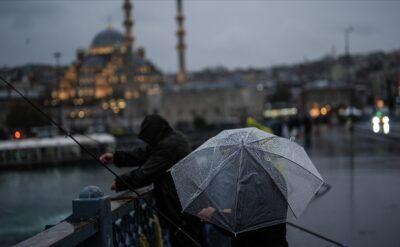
123, 78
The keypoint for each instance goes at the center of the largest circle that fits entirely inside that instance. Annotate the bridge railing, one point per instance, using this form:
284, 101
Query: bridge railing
98, 220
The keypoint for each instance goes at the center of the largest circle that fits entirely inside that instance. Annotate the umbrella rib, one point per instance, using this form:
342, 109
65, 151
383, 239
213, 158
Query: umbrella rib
248, 133
256, 160
237, 180
212, 146
276, 137
199, 190
297, 165
198, 150
265, 139
290, 161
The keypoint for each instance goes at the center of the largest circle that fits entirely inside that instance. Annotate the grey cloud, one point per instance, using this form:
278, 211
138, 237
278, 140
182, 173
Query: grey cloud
233, 33
24, 14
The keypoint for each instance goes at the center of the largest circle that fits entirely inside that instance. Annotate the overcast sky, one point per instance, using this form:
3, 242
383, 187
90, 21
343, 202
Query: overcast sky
230, 33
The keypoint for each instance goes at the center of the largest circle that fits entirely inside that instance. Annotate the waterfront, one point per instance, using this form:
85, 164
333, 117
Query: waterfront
361, 209
34, 198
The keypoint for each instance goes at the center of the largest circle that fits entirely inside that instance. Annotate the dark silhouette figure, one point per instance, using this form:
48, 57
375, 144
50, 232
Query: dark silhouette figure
277, 127
164, 148
307, 127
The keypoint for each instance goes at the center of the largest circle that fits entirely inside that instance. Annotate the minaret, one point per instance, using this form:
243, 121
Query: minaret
181, 76
128, 56
128, 24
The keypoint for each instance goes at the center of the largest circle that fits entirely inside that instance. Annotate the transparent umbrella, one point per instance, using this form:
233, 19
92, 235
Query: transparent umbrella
245, 179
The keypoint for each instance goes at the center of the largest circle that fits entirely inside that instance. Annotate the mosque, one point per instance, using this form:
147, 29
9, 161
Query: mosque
109, 70
105, 77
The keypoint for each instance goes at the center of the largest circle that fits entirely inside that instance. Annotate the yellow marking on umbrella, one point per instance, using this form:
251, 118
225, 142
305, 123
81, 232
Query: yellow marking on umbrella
280, 167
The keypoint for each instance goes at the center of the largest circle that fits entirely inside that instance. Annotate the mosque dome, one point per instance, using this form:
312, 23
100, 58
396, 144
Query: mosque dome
108, 37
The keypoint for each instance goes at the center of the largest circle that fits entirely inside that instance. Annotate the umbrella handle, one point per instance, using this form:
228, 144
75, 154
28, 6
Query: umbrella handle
316, 234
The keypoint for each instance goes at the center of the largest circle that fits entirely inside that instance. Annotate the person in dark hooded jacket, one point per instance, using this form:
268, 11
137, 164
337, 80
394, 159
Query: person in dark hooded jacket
164, 148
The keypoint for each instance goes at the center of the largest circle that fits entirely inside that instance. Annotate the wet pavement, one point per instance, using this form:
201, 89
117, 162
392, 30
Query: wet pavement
363, 206
361, 209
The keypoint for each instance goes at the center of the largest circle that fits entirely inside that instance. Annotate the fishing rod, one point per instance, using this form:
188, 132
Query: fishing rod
316, 234
68, 134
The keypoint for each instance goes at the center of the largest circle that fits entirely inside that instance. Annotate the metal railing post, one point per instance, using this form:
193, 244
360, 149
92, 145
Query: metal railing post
90, 204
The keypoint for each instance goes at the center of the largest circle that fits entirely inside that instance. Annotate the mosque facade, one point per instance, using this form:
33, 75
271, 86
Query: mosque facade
105, 78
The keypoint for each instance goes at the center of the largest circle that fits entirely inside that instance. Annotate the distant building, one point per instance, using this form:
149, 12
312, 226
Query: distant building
216, 103
325, 96
33, 81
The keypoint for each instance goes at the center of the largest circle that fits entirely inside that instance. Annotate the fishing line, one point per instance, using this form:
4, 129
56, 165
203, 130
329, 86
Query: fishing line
68, 134
315, 234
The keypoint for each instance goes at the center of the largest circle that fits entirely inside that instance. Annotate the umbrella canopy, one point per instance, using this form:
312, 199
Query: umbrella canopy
245, 179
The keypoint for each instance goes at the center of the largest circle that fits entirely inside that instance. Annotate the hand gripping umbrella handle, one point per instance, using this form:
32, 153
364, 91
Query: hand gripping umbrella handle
316, 234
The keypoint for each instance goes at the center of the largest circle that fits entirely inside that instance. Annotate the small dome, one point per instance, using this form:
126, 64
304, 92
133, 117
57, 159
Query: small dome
91, 192
108, 37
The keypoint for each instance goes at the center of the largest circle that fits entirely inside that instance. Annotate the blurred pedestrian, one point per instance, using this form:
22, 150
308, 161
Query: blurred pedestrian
307, 129
294, 126
164, 148
277, 127
3, 134
285, 128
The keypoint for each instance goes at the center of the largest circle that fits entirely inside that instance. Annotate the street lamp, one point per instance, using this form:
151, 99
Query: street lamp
57, 56
347, 32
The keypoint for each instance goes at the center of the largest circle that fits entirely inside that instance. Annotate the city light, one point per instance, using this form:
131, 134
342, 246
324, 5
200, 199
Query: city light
376, 128
273, 113
324, 110
375, 124
314, 112
386, 128
121, 104
385, 120
375, 120
81, 114
17, 134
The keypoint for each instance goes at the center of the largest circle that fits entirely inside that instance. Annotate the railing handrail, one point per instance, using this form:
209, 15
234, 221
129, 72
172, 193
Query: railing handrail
72, 232
63, 234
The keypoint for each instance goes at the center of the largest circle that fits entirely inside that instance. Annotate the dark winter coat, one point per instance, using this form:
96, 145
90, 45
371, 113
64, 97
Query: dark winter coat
165, 147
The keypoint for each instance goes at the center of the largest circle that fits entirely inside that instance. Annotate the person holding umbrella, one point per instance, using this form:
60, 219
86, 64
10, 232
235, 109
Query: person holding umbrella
248, 183
271, 236
164, 148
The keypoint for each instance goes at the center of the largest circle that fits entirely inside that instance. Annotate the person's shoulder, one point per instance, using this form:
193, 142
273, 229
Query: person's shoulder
174, 139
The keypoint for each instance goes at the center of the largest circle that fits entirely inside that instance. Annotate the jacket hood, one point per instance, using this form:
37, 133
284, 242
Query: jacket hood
153, 129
